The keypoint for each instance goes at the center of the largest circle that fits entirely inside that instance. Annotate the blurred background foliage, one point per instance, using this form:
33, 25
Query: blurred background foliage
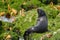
22, 23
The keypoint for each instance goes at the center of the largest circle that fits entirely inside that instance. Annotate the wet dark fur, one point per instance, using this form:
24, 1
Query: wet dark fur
40, 27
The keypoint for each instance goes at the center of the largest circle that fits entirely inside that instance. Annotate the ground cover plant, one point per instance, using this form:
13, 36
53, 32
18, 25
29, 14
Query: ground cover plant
16, 29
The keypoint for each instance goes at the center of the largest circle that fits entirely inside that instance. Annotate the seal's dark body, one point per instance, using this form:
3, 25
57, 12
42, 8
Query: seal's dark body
40, 27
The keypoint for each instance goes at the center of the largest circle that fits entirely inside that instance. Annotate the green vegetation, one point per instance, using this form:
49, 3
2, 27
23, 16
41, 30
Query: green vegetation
22, 23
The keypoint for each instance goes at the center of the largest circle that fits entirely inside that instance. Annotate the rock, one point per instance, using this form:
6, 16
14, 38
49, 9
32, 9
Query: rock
10, 20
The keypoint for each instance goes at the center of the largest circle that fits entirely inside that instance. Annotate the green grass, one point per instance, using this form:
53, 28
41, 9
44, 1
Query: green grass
23, 23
